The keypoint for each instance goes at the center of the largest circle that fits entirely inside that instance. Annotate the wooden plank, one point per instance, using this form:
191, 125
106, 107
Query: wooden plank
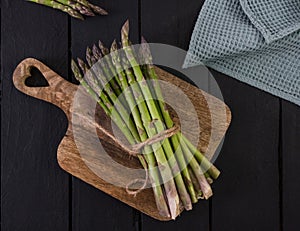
171, 22
93, 209
290, 165
247, 192
35, 191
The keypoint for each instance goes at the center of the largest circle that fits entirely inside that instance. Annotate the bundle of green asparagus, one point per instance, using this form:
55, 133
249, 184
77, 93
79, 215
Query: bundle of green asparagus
75, 8
173, 155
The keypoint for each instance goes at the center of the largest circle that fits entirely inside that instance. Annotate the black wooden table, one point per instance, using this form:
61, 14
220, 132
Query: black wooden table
258, 189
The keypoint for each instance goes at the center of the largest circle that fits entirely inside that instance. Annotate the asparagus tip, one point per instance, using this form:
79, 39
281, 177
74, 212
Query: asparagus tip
125, 32
98, 10
79, 60
88, 51
75, 14
96, 52
74, 66
114, 46
143, 40
82, 65
104, 50
76, 71
144, 52
100, 44
86, 11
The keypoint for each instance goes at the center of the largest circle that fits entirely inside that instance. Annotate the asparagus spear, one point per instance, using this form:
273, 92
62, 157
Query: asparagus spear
59, 6
83, 2
196, 185
104, 50
73, 7
211, 169
97, 9
77, 6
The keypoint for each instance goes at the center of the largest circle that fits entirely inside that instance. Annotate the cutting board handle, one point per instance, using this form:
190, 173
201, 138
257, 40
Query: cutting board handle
59, 92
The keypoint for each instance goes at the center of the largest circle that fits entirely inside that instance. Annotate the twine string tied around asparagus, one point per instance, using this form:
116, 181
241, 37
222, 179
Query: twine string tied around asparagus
135, 150
154, 139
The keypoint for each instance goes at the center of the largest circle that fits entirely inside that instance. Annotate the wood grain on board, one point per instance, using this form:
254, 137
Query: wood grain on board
34, 191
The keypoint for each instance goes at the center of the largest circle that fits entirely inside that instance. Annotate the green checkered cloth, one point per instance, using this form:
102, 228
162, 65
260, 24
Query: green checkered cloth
254, 41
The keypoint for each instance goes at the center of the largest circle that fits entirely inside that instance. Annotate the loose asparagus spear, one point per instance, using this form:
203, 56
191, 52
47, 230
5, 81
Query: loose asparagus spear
97, 9
73, 7
83, 2
59, 6
77, 6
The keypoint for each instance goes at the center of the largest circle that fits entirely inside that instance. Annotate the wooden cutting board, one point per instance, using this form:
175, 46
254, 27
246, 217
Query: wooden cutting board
87, 166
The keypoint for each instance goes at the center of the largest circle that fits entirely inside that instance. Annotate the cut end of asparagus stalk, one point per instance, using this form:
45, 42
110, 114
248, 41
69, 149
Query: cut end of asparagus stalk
205, 188
173, 202
214, 172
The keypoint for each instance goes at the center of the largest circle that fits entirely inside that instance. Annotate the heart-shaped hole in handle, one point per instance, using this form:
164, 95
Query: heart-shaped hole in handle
36, 79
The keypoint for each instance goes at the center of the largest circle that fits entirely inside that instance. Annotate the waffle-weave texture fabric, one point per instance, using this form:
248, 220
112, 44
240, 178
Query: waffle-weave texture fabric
254, 41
